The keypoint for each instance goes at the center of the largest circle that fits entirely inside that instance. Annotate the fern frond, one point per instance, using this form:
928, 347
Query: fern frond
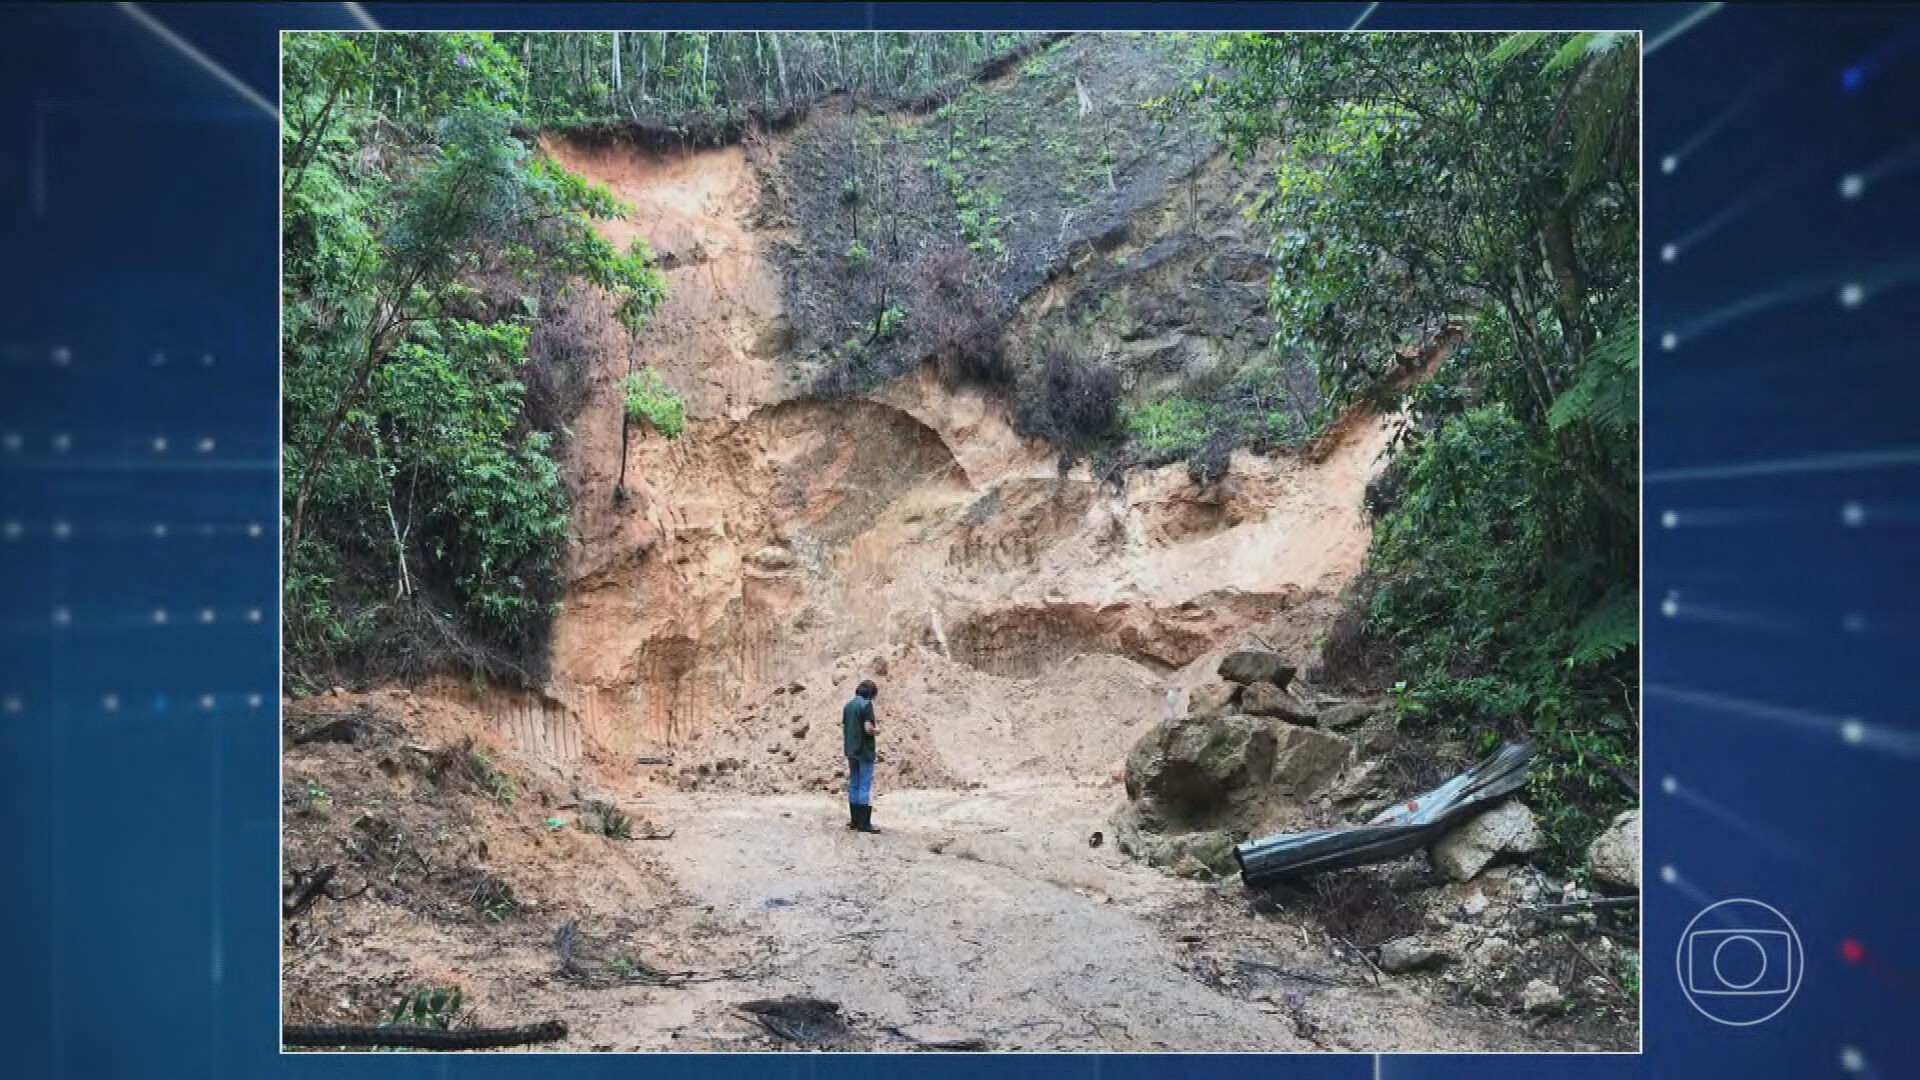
1516, 44
1606, 392
1610, 628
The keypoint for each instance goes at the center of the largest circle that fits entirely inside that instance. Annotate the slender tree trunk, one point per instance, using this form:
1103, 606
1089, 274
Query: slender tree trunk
780, 65
619, 85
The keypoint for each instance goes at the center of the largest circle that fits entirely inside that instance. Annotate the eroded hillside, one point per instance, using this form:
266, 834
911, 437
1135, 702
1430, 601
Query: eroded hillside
852, 501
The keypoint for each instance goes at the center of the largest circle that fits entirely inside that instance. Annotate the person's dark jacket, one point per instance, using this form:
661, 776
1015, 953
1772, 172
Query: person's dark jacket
854, 717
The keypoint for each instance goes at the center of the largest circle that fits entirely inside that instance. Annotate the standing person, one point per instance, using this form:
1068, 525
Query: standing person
860, 725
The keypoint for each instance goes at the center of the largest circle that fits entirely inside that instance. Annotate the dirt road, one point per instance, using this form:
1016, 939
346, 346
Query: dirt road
987, 910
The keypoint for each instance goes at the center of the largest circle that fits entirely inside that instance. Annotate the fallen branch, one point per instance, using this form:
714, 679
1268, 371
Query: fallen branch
1361, 953
305, 890
1575, 905
420, 1038
1312, 977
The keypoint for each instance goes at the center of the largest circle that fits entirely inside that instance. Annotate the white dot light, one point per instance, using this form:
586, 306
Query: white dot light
1852, 186
62, 356
1852, 295
1670, 606
1669, 252
1669, 875
253, 701
206, 615
1853, 732
11, 530
1669, 519
206, 360
1852, 1060
159, 444
1669, 341
62, 530
1669, 163
62, 443
110, 702
62, 617
253, 528
1854, 623
11, 441
205, 446
160, 616
1670, 785
206, 701
159, 359
253, 615
159, 530
1853, 515
12, 704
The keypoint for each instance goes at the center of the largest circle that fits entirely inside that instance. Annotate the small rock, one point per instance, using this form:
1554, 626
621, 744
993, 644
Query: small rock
772, 558
1256, 665
1378, 740
1493, 953
1213, 850
1266, 699
1189, 867
1507, 829
1614, 856
800, 730
1539, 996
1475, 904
1402, 955
1212, 699
1350, 714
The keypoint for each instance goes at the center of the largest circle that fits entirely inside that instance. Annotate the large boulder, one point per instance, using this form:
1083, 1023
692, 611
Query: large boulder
1266, 699
1248, 666
1614, 856
1507, 829
1187, 768
1306, 760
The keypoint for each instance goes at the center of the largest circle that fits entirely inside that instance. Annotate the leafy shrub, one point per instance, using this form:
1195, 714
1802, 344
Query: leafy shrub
650, 399
427, 1006
890, 324
1072, 402
1168, 427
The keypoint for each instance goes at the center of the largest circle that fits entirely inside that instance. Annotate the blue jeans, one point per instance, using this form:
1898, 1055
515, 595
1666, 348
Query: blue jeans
860, 782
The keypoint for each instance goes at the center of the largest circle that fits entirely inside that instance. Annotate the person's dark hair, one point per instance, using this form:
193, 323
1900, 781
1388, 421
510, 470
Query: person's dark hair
867, 689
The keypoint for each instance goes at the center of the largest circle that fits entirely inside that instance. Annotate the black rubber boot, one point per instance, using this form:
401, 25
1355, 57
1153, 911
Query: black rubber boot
864, 822
853, 816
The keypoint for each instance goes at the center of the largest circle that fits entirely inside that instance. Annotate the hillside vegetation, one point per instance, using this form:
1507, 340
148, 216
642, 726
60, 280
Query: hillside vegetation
1148, 248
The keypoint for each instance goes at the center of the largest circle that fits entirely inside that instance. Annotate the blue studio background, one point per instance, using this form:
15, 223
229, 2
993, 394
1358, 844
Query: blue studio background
139, 524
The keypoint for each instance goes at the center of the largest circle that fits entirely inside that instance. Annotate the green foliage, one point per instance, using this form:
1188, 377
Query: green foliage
1437, 173
426, 1006
651, 400
1167, 427
891, 322
426, 516
491, 778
